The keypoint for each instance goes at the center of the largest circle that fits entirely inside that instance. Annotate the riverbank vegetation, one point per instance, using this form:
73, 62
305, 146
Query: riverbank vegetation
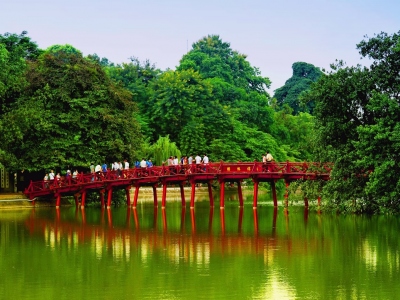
61, 109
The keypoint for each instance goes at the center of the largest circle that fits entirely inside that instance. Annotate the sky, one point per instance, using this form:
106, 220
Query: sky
273, 34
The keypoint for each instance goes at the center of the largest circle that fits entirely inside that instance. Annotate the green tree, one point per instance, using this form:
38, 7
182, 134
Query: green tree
357, 116
161, 150
71, 114
178, 98
136, 77
304, 75
15, 51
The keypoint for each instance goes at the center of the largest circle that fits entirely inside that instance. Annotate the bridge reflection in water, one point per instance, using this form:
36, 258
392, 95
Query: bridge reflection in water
222, 173
104, 236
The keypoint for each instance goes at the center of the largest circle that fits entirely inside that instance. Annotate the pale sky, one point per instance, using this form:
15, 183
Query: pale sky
273, 34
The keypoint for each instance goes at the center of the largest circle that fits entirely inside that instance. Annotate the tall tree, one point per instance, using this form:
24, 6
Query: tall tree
15, 51
357, 116
304, 75
136, 77
71, 114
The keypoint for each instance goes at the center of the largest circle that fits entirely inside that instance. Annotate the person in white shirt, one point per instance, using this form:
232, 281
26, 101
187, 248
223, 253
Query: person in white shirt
143, 163
197, 159
97, 170
126, 164
205, 159
269, 157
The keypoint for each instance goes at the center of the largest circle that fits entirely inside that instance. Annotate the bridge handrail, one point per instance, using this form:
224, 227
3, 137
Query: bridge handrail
176, 170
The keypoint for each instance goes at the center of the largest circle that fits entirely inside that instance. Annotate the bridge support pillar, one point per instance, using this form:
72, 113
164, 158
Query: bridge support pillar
164, 219
135, 217
102, 191
58, 200
193, 219
255, 217
305, 201
83, 198
164, 195
192, 194
255, 194
128, 195
109, 197
76, 197
222, 216
275, 199
135, 197
240, 194
210, 194
182, 194
222, 195
155, 195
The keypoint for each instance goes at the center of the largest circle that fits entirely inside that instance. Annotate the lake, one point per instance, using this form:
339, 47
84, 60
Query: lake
200, 253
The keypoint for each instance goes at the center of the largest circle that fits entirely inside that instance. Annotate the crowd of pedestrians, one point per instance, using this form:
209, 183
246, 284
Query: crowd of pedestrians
100, 171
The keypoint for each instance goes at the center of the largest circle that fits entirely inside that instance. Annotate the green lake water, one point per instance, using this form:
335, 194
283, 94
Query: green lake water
201, 253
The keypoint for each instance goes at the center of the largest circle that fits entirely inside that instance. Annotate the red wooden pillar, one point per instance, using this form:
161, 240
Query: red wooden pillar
193, 219
255, 215
319, 200
83, 213
109, 197
128, 195
210, 218
275, 199
222, 194
240, 219
192, 194
210, 194
240, 194
135, 217
164, 218
76, 197
164, 195
155, 195
135, 197
305, 201
102, 191
58, 200
286, 193
83, 198
222, 214
182, 194
109, 215
255, 195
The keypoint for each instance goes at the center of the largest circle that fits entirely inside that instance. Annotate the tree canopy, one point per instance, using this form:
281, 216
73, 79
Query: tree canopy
69, 113
357, 115
304, 75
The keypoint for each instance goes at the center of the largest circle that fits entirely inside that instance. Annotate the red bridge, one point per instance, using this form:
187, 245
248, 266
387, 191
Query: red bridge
179, 175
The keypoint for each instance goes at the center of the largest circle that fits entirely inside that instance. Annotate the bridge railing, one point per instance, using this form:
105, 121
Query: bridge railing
176, 170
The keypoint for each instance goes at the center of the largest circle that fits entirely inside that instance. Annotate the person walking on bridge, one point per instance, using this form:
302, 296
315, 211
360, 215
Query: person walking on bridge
269, 159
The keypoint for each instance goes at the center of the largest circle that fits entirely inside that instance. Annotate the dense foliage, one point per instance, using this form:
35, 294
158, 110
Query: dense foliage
304, 75
215, 102
68, 113
358, 116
